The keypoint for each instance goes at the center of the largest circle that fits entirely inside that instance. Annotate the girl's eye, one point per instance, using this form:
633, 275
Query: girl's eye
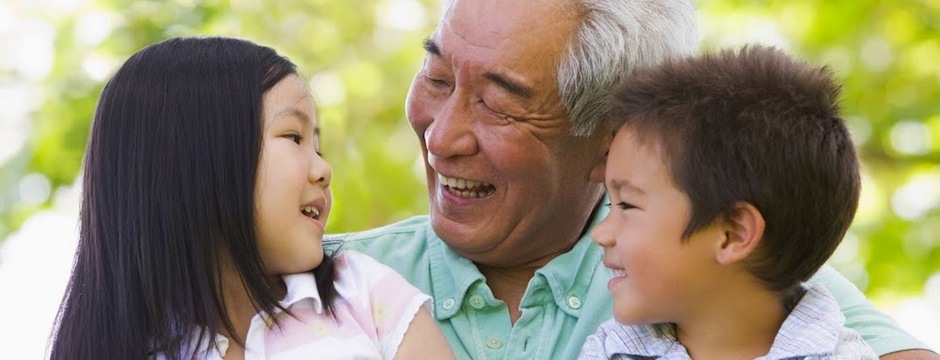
295, 138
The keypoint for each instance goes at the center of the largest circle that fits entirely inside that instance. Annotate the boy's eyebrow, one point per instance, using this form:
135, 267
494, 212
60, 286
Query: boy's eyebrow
624, 184
502, 80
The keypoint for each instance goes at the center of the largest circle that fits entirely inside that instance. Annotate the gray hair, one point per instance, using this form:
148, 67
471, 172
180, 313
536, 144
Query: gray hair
613, 39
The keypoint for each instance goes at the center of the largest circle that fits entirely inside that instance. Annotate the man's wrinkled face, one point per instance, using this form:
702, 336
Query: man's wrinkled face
507, 183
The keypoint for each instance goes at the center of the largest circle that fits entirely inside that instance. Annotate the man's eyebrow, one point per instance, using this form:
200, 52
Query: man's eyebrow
431, 47
500, 80
510, 85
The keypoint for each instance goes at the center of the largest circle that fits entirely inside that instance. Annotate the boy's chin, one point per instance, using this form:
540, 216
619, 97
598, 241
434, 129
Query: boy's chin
631, 315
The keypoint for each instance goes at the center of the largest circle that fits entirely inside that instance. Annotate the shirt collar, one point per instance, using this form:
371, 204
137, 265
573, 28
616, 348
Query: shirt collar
653, 340
568, 275
816, 322
812, 328
301, 287
451, 275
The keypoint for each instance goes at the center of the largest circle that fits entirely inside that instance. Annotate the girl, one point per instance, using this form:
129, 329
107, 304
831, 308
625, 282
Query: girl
204, 203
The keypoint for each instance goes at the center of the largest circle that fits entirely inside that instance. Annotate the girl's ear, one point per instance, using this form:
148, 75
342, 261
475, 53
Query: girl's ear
744, 229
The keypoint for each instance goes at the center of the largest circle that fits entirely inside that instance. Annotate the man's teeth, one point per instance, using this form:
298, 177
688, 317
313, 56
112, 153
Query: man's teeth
619, 273
310, 211
466, 188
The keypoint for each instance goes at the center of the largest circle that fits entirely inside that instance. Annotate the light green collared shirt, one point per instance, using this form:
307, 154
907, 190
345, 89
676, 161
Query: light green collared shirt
566, 301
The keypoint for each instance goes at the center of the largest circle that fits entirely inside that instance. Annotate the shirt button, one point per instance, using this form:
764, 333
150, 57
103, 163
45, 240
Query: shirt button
494, 343
448, 304
574, 302
477, 301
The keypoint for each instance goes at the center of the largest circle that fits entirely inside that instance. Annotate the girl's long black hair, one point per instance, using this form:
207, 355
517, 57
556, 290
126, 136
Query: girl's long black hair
168, 190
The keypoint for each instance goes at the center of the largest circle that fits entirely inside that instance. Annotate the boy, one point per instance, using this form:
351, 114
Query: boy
732, 179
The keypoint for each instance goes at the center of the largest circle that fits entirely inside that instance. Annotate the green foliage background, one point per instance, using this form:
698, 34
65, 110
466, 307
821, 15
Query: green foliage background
361, 63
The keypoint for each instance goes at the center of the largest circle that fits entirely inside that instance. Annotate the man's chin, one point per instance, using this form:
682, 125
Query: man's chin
463, 238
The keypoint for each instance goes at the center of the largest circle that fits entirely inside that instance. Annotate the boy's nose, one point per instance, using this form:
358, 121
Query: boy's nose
601, 235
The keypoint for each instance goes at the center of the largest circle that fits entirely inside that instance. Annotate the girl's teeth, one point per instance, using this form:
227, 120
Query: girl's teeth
310, 211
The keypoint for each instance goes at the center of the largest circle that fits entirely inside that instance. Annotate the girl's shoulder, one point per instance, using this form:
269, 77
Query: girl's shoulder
362, 271
356, 259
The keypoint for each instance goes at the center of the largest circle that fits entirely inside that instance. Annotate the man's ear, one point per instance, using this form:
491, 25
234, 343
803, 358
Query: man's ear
600, 167
744, 228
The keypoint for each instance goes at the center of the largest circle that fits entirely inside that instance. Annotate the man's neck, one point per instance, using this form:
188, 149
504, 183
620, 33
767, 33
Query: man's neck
735, 324
509, 283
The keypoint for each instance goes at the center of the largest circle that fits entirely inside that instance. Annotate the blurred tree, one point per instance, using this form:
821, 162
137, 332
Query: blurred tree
887, 54
360, 56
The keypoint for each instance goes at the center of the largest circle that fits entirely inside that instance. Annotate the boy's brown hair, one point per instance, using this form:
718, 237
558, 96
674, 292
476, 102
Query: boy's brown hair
753, 126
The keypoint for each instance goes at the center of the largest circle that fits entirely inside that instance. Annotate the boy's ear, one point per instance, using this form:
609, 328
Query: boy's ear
744, 229
600, 167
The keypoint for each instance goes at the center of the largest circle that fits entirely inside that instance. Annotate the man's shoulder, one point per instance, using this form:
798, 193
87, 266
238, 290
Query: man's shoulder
402, 246
407, 234
408, 227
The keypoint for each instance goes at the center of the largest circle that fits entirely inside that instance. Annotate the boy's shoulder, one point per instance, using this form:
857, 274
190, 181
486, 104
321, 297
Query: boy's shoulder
815, 328
613, 340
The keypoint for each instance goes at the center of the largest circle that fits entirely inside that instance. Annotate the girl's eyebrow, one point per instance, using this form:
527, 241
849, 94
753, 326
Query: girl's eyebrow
300, 116
297, 113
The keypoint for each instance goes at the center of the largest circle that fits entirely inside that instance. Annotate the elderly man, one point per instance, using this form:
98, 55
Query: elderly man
507, 106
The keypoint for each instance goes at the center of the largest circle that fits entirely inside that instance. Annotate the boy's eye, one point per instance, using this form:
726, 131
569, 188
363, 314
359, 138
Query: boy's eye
625, 206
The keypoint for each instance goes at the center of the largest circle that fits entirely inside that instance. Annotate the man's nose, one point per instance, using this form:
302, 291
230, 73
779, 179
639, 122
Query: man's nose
452, 132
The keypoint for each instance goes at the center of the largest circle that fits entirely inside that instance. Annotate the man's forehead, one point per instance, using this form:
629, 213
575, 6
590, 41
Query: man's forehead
516, 40
521, 18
